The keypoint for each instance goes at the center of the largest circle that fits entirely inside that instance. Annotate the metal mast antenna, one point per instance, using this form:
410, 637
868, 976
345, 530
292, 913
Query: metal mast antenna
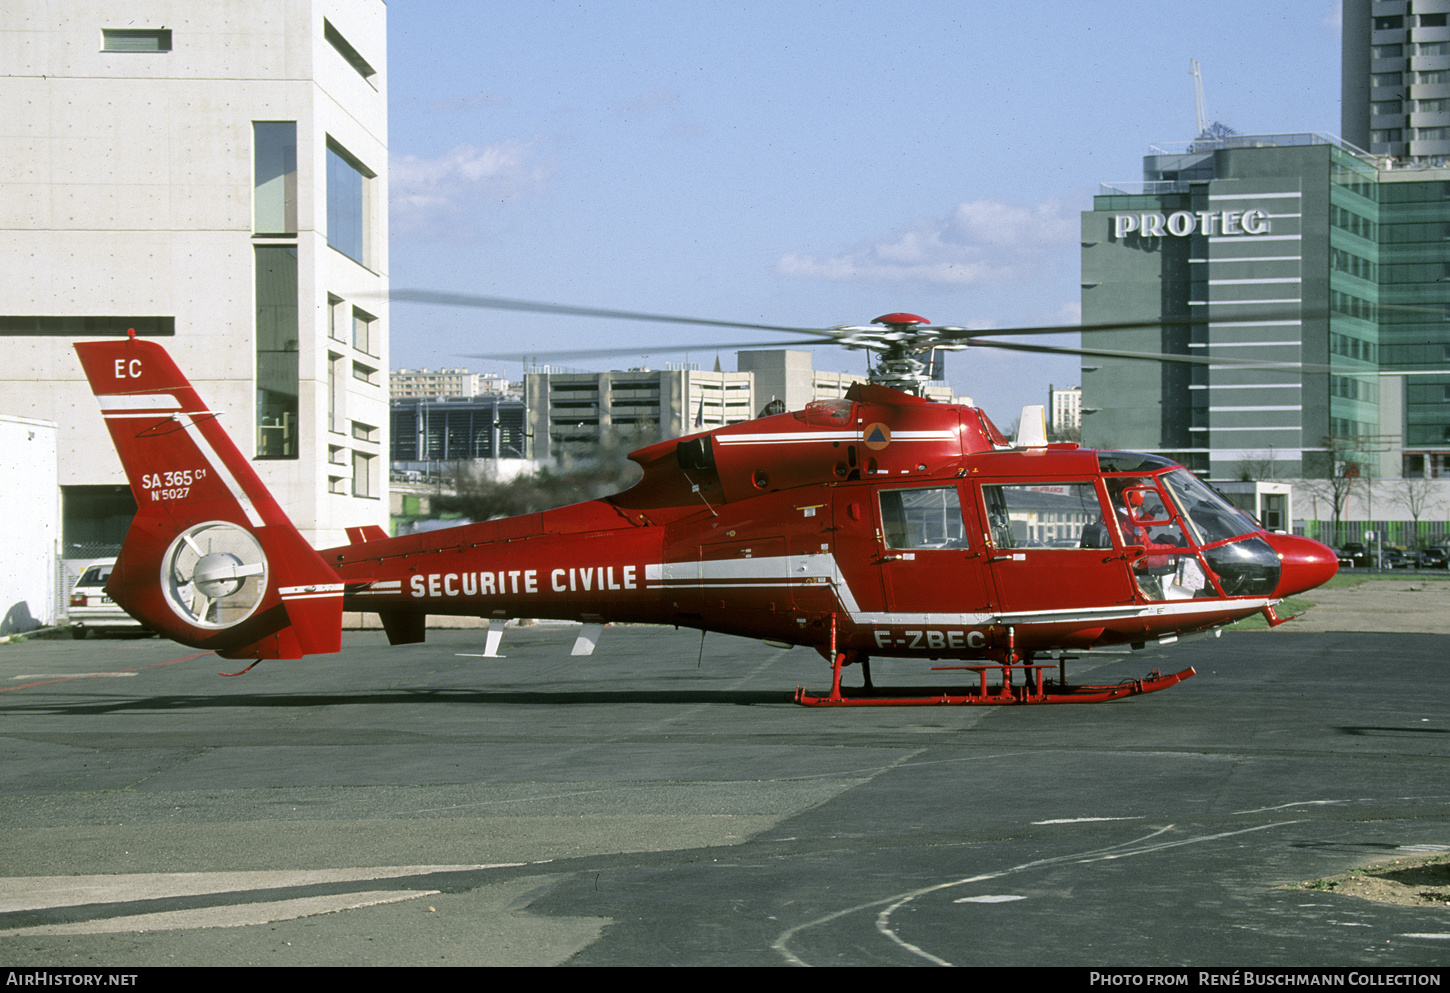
1198, 97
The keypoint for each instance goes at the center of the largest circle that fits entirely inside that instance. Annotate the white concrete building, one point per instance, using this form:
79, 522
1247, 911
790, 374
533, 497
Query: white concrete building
30, 595
214, 175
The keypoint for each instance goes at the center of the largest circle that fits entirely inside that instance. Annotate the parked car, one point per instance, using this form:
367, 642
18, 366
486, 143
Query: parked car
1434, 557
1354, 554
90, 608
1394, 558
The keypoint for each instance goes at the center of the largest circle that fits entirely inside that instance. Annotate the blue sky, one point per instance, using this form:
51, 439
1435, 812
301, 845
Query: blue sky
798, 163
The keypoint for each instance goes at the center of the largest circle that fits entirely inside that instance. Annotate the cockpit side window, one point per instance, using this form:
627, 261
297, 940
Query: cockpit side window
1213, 518
1167, 566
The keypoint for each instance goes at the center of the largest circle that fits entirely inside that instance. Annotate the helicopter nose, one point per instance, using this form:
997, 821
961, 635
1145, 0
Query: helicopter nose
1303, 563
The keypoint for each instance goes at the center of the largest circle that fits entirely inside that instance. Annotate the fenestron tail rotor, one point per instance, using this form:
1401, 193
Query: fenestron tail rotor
214, 575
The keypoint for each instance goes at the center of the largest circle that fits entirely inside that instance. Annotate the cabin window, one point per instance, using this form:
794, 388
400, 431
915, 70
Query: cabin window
922, 518
1046, 515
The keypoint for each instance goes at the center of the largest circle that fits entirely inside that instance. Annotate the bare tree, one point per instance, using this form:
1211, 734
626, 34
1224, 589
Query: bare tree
1335, 492
1419, 496
1068, 432
1259, 469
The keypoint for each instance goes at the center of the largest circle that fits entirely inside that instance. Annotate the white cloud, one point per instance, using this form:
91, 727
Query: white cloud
981, 242
423, 191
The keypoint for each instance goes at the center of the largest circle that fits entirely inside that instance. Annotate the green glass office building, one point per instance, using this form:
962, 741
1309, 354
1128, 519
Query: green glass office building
1313, 280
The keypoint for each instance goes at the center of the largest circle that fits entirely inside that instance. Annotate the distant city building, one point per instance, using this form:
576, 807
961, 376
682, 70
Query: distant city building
788, 375
215, 177
1064, 409
572, 412
1395, 78
457, 429
408, 383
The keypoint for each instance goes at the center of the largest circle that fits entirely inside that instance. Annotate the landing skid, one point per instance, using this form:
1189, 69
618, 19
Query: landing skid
1036, 690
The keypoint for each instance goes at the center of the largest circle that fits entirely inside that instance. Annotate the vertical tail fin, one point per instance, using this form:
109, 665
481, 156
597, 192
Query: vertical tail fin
210, 559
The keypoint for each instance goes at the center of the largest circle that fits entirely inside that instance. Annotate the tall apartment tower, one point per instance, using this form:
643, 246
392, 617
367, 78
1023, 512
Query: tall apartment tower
213, 175
1395, 84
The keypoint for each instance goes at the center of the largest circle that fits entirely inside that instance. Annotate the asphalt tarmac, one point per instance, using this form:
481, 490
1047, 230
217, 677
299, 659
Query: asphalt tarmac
664, 803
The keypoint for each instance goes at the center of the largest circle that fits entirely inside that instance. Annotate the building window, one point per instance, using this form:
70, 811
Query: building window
336, 393
1432, 134
364, 475
1433, 77
148, 327
336, 318
1433, 20
364, 374
94, 520
349, 195
1381, 107
276, 337
1389, 23
1439, 106
364, 482
1433, 47
364, 332
274, 177
135, 39
337, 41
1386, 135
1386, 51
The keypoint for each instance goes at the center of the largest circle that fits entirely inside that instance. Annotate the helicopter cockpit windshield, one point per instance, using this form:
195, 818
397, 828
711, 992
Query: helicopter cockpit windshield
1196, 543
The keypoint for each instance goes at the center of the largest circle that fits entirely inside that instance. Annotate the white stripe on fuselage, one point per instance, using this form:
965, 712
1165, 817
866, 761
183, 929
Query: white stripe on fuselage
811, 570
799, 437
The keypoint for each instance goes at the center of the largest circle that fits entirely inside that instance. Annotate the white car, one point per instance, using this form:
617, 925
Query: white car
90, 608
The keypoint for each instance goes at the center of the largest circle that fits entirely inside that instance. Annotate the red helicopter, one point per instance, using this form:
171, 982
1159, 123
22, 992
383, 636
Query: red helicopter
879, 525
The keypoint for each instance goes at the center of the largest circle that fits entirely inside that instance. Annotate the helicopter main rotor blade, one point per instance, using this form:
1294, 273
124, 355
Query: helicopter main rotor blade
944, 332
660, 349
535, 307
1154, 322
881, 337
1110, 353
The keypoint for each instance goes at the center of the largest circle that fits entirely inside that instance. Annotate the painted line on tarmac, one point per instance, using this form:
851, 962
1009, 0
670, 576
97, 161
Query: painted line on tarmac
48, 892
31, 893
91, 675
237, 915
57, 676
